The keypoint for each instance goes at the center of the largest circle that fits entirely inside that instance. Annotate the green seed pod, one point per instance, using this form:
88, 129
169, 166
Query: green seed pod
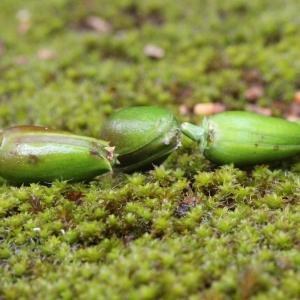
245, 138
143, 136
38, 154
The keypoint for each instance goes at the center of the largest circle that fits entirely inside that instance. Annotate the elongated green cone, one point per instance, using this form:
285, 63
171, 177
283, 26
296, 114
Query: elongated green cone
143, 136
38, 154
245, 138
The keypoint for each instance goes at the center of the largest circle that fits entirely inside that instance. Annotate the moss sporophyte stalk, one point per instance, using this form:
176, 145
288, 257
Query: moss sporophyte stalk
143, 136
245, 138
39, 154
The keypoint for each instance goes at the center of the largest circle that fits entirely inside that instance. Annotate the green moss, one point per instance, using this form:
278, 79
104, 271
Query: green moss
187, 229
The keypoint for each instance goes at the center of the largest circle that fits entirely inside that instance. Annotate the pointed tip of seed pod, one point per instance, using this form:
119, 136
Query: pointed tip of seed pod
110, 153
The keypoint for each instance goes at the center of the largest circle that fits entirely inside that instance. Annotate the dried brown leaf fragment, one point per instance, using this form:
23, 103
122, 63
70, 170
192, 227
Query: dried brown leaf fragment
154, 51
46, 54
297, 97
254, 92
207, 109
98, 24
259, 110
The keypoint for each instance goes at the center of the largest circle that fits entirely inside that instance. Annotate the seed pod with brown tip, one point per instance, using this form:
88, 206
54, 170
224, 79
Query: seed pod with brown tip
38, 154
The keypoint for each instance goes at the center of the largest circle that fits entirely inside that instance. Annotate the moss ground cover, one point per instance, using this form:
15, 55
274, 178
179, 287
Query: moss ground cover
187, 229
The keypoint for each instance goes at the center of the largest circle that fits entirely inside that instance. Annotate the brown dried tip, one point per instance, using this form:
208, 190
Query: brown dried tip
110, 152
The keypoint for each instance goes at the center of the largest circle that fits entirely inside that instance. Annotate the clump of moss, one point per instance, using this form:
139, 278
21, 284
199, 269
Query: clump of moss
187, 229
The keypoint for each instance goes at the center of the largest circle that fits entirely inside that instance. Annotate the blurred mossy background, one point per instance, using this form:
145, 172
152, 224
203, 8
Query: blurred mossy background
187, 229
